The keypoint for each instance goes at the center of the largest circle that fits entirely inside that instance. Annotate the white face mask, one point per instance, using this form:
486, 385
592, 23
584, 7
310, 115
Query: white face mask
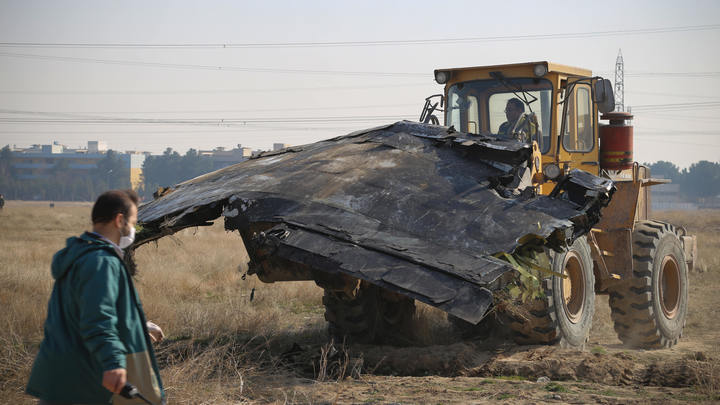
126, 241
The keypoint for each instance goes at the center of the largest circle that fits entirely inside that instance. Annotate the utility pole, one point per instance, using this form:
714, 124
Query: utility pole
619, 83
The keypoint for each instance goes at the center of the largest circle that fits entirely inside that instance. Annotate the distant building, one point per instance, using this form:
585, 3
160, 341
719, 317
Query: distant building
39, 161
51, 149
96, 147
135, 160
222, 158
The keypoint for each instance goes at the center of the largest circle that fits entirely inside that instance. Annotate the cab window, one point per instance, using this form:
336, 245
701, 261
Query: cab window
478, 106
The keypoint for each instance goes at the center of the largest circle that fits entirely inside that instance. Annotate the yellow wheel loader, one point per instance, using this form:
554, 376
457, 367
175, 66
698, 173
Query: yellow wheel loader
641, 263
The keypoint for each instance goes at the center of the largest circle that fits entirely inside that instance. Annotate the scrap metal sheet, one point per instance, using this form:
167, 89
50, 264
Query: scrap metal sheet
415, 208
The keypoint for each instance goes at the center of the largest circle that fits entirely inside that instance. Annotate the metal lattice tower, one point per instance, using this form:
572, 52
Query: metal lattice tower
619, 83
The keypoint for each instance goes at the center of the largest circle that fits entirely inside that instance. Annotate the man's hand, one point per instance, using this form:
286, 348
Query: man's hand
156, 334
114, 380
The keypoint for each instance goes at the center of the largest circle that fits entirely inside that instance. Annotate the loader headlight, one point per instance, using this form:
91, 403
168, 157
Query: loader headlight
551, 171
442, 76
540, 70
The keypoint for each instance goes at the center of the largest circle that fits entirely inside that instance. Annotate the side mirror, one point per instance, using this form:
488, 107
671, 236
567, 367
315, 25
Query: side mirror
603, 95
429, 108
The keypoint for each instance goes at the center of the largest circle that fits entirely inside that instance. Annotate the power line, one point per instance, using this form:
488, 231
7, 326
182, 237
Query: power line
220, 131
650, 75
295, 71
203, 131
676, 106
682, 143
675, 117
350, 107
207, 67
215, 122
101, 118
90, 116
674, 74
63, 117
209, 91
574, 35
651, 93
201, 121
642, 133
218, 68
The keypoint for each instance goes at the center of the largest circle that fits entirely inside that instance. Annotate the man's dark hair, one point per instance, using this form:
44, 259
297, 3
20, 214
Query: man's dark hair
111, 203
517, 103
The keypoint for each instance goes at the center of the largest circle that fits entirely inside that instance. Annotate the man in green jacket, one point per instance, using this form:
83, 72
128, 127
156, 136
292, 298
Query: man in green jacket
96, 335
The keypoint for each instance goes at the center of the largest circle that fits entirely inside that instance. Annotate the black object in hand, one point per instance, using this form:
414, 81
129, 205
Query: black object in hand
129, 391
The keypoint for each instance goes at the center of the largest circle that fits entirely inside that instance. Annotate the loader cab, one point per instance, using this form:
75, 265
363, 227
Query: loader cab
563, 102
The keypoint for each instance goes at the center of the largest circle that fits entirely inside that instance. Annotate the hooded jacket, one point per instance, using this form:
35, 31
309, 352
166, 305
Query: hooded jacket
95, 323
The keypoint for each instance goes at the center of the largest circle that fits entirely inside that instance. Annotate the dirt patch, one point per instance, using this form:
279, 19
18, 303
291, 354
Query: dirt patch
467, 359
473, 372
563, 365
448, 360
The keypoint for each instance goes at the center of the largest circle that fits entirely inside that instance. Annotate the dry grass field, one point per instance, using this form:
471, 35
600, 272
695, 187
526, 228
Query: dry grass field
232, 339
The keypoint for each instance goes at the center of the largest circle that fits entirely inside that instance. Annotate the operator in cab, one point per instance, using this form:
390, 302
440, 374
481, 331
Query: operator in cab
519, 126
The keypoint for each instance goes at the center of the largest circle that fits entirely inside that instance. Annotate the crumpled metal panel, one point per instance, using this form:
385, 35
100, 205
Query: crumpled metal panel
415, 208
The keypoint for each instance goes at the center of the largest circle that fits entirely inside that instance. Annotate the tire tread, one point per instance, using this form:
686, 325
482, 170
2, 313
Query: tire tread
631, 301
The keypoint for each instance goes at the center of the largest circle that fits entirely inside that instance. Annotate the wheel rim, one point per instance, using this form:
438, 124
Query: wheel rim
669, 286
573, 287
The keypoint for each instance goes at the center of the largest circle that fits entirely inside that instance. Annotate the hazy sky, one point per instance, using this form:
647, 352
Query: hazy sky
275, 92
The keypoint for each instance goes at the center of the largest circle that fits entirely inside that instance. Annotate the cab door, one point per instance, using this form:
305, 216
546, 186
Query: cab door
578, 143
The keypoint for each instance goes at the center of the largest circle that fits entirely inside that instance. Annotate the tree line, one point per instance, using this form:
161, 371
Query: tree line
171, 168
700, 180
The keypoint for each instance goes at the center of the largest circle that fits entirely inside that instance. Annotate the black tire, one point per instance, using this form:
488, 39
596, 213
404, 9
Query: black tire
649, 310
373, 315
554, 319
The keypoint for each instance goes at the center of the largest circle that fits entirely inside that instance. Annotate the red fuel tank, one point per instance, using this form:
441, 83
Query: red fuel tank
616, 141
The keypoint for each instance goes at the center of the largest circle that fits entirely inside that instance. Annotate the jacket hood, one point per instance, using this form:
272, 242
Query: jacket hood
74, 248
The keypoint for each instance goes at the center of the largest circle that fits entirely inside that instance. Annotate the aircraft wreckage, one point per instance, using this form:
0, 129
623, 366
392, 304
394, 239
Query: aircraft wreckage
422, 211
